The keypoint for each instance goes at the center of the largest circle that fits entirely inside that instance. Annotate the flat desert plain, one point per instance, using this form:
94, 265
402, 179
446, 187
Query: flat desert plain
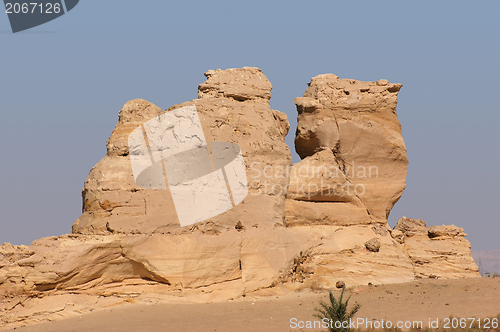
421, 300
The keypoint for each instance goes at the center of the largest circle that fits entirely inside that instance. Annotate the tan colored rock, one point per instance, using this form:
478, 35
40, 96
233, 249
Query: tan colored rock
319, 178
343, 256
128, 244
356, 125
243, 84
11, 254
255, 258
233, 106
110, 195
410, 226
382, 230
188, 267
373, 245
398, 236
445, 231
300, 213
441, 258
436, 251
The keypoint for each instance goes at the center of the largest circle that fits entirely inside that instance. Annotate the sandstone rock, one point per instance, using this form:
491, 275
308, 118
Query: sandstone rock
381, 230
128, 244
110, 194
11, 254
300, 213
436, 251
343, 256
233, 106
242, 84
445, 231
410, 226
373, 245
320, 178
398, 235
349, 132
441, 257
194, 263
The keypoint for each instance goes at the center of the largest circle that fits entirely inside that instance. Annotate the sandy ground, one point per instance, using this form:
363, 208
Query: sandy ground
415, 301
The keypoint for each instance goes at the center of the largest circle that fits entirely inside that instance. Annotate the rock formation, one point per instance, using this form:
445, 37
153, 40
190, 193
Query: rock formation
349, 138
233, 106
311, 224
437, 251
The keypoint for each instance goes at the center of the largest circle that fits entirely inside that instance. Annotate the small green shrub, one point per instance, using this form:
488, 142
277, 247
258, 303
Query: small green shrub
336, 311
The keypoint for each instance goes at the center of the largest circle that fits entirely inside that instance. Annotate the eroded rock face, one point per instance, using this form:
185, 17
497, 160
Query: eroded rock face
128, 244
198, 267
349, 131
110, 194
436, 251
319, 193
410, 226
233, 106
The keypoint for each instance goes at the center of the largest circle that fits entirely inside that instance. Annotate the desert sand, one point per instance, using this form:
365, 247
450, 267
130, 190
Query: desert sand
414, 301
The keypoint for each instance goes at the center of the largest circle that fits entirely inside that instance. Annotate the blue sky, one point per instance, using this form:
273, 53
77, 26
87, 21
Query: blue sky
62, 85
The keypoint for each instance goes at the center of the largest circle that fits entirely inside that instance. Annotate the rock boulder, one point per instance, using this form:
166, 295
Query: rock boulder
349, 131
233, 106
436, 251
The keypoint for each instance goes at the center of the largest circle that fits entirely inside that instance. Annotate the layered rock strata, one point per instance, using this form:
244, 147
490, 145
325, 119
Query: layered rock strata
436, 251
